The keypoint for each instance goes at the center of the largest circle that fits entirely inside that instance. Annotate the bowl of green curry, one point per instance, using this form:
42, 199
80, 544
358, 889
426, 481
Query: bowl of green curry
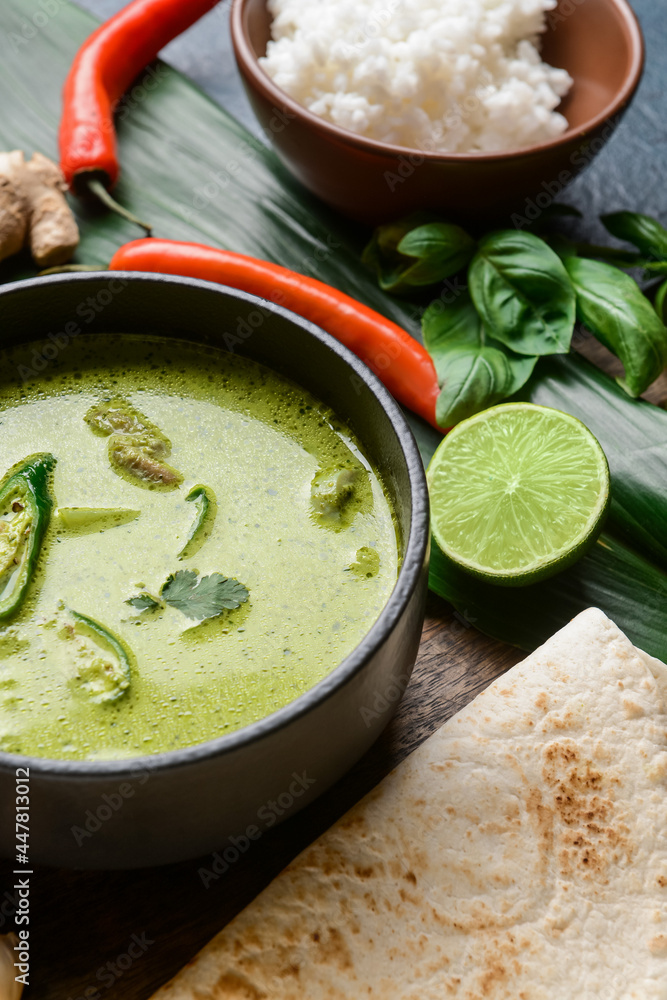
213, 556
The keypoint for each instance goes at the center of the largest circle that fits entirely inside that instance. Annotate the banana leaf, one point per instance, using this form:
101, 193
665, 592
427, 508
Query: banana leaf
196, 174
612, 577
633, 434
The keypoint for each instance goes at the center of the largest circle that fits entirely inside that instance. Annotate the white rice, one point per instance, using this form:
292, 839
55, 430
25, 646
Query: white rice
436, 75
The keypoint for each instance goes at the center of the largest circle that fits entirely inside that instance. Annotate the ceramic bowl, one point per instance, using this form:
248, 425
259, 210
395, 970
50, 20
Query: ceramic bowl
170, 806
599, 42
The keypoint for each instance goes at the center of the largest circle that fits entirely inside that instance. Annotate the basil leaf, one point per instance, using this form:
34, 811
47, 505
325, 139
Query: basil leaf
441, 248
661, 302
451, 325
473, 370
523, 293
613, 307
561, 245
381, 253
647, 234
391, 234
474, 379
417, 251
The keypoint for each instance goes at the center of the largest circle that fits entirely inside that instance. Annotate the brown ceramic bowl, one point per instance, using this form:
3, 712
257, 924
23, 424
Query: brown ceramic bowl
599, 42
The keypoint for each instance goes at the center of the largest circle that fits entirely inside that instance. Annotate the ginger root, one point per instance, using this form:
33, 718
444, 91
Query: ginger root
33, 210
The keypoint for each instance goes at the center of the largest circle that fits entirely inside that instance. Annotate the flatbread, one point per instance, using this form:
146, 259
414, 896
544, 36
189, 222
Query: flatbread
519, 854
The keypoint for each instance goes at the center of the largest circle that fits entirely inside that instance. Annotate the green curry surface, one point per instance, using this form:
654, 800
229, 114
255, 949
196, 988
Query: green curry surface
259, 443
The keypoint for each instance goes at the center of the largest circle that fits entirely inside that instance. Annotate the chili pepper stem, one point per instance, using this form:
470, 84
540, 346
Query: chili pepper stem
96, 187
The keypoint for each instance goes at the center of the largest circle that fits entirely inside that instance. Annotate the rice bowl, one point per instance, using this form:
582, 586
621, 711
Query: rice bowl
444, 76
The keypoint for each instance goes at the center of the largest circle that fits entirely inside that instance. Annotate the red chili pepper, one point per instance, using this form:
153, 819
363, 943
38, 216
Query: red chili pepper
103, 68
398, 359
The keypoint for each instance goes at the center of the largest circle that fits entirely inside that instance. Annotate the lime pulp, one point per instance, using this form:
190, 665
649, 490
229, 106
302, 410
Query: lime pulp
518, 492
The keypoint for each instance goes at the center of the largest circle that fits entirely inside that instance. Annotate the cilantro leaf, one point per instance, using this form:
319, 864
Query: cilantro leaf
143, 602
203, 597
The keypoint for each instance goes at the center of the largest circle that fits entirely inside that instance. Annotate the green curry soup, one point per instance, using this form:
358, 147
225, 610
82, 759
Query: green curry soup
233, 510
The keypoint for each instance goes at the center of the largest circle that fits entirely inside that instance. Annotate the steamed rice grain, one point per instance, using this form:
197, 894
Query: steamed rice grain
435, 75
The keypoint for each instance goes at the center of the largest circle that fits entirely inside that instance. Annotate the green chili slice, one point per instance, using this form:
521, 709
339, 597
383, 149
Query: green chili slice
25, 510
206, 505
102, 678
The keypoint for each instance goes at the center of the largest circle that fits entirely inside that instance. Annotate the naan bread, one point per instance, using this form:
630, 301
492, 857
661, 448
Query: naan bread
519, 854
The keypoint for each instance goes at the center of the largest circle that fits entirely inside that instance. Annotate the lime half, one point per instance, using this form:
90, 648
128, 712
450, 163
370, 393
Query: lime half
518, 492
